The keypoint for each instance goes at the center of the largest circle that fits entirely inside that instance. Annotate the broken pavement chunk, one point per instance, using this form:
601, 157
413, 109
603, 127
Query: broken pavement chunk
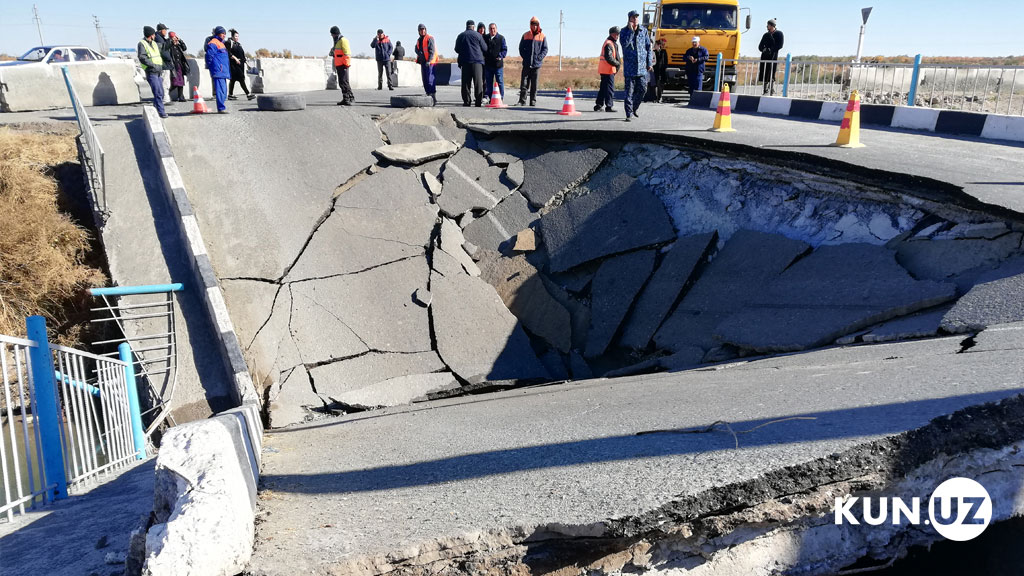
417, 153
470, 183
499, 225
996, 298
552, 173
615, 286
526, 241
451, 243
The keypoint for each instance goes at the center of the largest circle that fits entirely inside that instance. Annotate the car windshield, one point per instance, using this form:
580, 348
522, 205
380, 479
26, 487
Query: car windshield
34, 55
698, 16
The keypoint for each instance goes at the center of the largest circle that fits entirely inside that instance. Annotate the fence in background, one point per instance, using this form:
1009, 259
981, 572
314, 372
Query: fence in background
987, 89
95, 161
67, 417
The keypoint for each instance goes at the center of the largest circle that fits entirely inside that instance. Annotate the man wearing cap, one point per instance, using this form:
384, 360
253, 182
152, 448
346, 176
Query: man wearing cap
695, 58
382, 51
607, 67
219, 65
771, 44
533, 48
637, 62
494, 61
164, 42
152, 63
660, 68
426, 57
470, 47
342, 54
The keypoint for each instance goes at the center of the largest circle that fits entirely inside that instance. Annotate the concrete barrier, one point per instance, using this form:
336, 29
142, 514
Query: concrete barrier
915, 118
773, 105
41, 87
1000, 127
832, 111
292, 75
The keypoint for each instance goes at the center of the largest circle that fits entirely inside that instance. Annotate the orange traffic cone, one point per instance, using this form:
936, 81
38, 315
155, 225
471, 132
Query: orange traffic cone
849, 131
496, 98
723, 117
569, 108
200, 105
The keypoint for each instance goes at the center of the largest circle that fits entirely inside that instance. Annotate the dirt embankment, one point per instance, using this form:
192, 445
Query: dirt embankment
46, 257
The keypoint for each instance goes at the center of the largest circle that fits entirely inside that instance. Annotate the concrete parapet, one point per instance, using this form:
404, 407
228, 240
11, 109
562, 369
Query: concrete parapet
998, 127
292, 75
915, 118
772, 105
41, 87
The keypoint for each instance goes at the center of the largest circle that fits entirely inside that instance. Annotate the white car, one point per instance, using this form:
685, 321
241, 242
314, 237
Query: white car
56, 55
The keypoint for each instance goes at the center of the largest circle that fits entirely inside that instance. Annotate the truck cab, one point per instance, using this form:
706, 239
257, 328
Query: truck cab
717, 22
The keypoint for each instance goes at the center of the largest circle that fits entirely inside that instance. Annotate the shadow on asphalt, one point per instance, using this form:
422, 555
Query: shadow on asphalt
798, 428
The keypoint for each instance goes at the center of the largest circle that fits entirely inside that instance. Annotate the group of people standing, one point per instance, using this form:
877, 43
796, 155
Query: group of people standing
385, 53
636, 61
482, 55
163, 54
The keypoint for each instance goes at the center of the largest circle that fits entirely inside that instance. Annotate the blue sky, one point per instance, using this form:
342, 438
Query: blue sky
936, 28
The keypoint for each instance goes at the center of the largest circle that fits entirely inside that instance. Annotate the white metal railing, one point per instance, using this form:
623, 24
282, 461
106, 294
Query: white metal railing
95, 162
67, 417
987, 89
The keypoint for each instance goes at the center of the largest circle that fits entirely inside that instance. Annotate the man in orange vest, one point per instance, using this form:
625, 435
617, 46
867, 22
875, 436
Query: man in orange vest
426, 57
607, 67
342, 54
533, 48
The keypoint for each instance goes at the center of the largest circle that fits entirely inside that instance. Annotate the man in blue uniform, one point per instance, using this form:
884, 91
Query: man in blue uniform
637, 62
695, 58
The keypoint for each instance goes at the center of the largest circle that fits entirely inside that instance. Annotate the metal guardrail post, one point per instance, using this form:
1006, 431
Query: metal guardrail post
125, 352
47, 407
914, 79
785, 77
718, 72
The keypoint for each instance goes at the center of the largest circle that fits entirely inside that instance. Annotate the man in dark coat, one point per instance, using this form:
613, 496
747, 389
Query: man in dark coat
397, 56
164, 42
771, 44
494, 63
695, 58
470, 47
382, 51
660, 69
237, 55
533, 48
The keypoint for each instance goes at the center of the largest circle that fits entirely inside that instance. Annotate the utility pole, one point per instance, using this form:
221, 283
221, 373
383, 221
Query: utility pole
99, 35
561, 25
39, 24
864, 13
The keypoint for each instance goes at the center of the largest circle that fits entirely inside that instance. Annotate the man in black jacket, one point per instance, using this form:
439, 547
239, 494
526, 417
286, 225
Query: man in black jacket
660, 68
397, 56
771, 44
470, 47
165, 52
494, 63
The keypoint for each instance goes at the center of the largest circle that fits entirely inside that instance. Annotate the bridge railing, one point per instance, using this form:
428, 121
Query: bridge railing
95, 158
67, 417
986, 89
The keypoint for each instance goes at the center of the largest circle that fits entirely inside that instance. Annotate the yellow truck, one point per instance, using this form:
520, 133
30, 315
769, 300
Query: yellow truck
715, 21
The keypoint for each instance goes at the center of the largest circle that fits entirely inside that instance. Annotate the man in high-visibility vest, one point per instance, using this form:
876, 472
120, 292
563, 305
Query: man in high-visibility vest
607, 67
342, 54
426, 57
153, 65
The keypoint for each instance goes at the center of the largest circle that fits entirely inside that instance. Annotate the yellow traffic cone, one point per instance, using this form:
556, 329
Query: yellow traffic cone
723, 117
849, 131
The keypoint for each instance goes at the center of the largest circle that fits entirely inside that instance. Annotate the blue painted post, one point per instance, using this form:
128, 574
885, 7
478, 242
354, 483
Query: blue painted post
47, 408
785, 77
125, 352
718, 72
914, 79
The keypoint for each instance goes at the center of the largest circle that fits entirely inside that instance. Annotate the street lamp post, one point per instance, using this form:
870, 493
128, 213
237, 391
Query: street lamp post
864, 14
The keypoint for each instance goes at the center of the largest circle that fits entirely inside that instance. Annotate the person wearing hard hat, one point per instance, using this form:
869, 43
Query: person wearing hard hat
607, 67
342, 53
695, 58
426, 57
152, 63
219, 66
533, 48
637, 63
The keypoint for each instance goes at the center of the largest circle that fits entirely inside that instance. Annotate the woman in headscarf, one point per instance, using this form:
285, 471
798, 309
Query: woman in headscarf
179, 68
237, 55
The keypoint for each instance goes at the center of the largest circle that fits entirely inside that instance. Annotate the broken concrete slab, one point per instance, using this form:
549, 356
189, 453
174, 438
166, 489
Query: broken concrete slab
526, 241
495, 228
615, 287
345, 380
678, 269
943, 259
375, 306
451, 241
433, 185
470, 183
416, 153
292, 399
251, 303
552, 173
522, 290
515, 173
687, 357
996, 298
834, 291
615, 218
1000, 337
737, 275
319, 334
273, 351
922, 325
401, 390
385, 218
578, 367
477, 337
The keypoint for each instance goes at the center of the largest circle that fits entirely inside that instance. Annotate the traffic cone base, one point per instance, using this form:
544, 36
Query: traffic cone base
723, 115
849, 130
199, 107
496, 98
569, 107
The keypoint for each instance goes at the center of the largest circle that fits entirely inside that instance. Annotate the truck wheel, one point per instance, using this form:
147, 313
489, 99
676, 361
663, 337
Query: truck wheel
411, 102
280, 102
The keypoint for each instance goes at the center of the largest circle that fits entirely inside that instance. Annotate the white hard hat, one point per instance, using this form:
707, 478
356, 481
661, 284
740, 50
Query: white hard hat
696, 39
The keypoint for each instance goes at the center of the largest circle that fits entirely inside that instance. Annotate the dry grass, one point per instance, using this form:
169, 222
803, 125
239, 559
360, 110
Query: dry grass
42, 251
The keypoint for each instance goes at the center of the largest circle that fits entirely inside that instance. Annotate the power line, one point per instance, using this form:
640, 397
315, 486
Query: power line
100, 36
39, 24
